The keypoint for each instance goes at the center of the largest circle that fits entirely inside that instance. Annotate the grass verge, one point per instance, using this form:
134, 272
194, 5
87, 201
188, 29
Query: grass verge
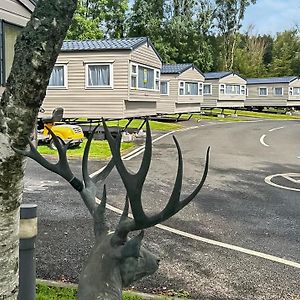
45, 292
266, 114
154, 125
99, 149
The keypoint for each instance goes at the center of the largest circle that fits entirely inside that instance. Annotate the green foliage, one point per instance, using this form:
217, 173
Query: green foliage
83, 26
44, 292
286, 54
179, 29
249, 56
95, 19
99, 150
229, 15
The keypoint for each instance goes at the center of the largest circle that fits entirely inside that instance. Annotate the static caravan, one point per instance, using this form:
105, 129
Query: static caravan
181, 89
275, 91
112, 78
14, 14
224, 89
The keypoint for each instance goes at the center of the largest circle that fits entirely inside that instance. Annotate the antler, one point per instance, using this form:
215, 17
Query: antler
134, 184
87, 188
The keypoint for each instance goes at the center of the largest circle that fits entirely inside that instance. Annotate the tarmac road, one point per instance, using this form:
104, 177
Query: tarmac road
235, 207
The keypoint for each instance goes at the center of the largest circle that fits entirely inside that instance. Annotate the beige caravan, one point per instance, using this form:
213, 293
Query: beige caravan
14, 14
112, 78
274, 91
181, 89
224, 89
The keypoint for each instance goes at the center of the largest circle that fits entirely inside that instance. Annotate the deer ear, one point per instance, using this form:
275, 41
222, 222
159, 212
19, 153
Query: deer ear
133, 246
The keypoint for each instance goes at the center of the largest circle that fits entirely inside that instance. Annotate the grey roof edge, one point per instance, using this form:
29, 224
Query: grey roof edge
154, 49
143, 41
22, 2
226, 73
188, 66
293, 78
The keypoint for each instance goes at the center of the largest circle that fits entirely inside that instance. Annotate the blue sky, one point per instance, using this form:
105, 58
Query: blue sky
271, 16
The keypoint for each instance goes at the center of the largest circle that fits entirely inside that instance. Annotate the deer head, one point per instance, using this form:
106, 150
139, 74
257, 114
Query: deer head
116, 260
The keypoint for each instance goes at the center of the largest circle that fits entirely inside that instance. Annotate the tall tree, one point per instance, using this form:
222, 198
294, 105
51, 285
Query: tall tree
229, 15
249, 55
96, 19
286, 54
147, 19
36, 51
84, 26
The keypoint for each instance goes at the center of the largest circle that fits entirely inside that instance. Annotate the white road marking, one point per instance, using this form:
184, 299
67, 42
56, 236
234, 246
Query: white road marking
216, 243
262, 141
277, 128
205, 240
268, 180
141, 149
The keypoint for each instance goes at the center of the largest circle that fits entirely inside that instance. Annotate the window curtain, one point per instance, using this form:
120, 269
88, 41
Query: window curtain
145, 78
164, 87
57, 76
98, 75
191, 88
233, 89
207, 89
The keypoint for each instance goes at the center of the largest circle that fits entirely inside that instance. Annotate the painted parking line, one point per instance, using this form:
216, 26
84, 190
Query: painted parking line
217, 243
274, 129
262, 141
288, 176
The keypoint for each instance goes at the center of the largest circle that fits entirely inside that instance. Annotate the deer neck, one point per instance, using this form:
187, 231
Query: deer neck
101, 278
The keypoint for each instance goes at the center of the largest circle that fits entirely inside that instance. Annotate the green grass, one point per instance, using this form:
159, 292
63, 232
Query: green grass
266, 114
99, 149
54, 293
154, 125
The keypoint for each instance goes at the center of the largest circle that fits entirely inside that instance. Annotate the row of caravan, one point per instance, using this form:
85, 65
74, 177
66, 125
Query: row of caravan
121, 78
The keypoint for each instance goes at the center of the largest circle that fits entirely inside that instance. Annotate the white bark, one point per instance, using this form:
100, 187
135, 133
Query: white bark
9, 253
36, 51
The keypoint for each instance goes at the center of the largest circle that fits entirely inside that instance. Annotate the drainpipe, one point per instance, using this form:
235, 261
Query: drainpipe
27, 269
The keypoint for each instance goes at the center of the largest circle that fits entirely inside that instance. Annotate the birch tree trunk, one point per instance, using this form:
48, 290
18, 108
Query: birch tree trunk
36, 51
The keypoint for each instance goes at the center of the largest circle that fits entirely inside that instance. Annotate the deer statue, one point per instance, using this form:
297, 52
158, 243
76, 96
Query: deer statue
116, 260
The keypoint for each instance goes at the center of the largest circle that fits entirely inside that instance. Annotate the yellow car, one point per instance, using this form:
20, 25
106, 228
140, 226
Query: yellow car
72, 134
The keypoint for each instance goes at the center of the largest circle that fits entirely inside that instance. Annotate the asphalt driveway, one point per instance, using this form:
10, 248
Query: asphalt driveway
236, 208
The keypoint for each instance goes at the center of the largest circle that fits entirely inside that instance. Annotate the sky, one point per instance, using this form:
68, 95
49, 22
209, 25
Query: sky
271, 16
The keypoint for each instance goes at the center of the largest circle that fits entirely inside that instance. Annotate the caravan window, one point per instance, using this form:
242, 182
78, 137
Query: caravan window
144, 77
58, 78
99, 76
164, 88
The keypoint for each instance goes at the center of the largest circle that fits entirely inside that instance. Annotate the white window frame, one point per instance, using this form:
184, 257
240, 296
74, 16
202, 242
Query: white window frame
210, 89
111, 77
263, 87
135, 75
243, 90
233, 87
168, 87
278, 95
200, 88
61, 87
292, 89
181, 86
156, 82
222, 87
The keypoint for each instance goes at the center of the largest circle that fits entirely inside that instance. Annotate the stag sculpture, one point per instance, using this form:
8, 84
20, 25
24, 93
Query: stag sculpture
116, 261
